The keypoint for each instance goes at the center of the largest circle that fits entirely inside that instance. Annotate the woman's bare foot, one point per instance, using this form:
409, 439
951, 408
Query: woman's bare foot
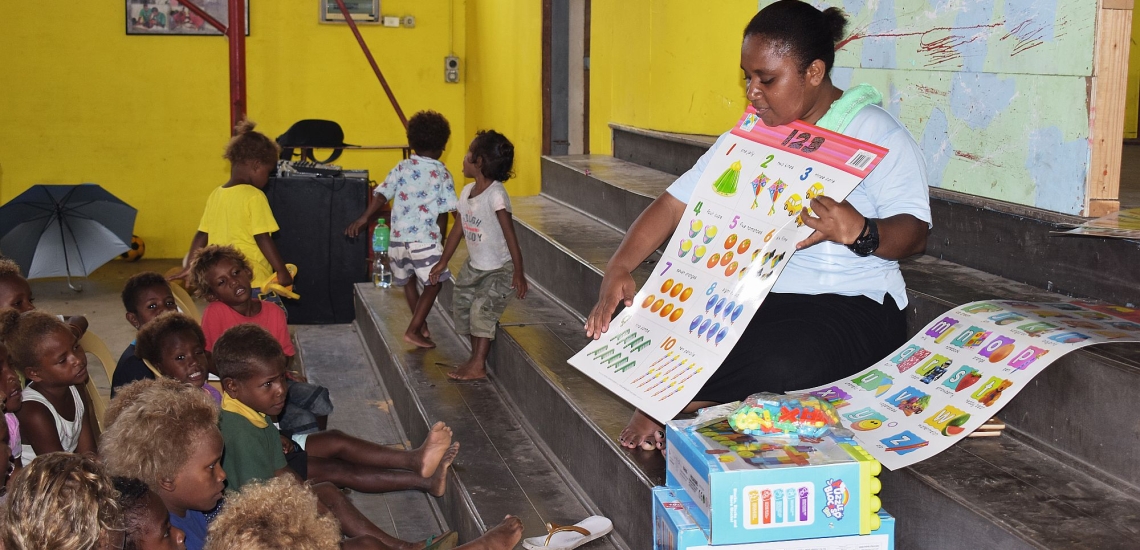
643, 432
468, 371
418, 340
503, 536
433, 448
439, 478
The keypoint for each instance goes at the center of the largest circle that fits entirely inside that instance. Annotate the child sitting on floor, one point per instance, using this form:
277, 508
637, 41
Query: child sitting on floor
62, 501
165, 433
145, 296
145, 521
494, 262
174, 344
222, 276
16, 293
13, 401
238, 214
48, 353
252, 368
422, 192
279, 513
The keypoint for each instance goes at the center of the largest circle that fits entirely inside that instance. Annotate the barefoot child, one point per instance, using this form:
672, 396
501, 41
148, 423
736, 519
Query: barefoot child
174, 344
494, 263
222, 276
145, 296
49, 355
145, 521
165, 433
238, 214
252, 368
423, 192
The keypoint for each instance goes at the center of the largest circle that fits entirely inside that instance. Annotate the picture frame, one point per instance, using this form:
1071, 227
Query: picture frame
362, 11
170, 17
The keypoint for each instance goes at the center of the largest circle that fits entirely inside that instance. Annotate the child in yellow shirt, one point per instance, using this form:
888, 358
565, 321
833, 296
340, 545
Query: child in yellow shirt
238, 214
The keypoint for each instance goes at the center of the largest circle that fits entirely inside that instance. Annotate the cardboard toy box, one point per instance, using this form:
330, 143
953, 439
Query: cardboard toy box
746, 489
675, 529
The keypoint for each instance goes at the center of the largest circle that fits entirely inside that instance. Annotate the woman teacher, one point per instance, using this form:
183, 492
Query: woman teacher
837, 307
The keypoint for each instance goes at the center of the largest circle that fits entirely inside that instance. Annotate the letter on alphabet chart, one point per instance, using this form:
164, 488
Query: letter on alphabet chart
989, 386
861, 414
871, 380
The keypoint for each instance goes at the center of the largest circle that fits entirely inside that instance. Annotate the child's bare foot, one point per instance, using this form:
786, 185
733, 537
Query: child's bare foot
439, 478
468, 371
503, 536
643, 432
425, 332
433, 448
418, 340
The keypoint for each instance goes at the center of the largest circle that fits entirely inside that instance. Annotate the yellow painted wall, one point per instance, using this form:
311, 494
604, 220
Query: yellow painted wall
1132, 108
504, 81
679, 71
147, 117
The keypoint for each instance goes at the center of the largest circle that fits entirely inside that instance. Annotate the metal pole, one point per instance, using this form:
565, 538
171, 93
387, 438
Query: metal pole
371, 61
190, 5
237, 62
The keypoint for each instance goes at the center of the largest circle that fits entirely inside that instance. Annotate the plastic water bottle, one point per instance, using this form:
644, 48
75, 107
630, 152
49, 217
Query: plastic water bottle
381, 275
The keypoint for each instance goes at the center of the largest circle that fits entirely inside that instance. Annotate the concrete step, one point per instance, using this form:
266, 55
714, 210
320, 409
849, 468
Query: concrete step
608, 188
501, 468
566, 250
668, 152
1059, 449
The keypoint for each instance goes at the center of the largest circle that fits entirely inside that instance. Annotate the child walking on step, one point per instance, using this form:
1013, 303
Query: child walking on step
423, 193
494, 263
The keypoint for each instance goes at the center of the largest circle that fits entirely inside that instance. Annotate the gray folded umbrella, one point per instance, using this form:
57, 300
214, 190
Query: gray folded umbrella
65, 230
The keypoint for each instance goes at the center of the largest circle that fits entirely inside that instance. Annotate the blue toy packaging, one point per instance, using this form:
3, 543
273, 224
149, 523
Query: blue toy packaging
747, 489
675, 529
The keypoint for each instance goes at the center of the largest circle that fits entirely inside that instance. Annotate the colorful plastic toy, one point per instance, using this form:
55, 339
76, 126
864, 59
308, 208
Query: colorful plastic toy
805, 416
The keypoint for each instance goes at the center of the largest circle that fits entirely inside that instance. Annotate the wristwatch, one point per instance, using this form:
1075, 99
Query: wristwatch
868, 241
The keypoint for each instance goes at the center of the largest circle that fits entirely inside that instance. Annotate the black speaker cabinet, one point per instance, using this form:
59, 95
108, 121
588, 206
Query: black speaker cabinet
313, 213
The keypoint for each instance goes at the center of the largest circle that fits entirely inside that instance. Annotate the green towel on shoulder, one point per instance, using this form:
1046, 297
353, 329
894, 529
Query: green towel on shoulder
843, 111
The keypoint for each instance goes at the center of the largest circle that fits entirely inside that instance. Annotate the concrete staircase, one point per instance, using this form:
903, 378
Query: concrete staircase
1064, 475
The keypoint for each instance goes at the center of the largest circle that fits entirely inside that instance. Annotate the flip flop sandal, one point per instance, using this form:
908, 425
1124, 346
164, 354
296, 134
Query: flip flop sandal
446, 541
567, 537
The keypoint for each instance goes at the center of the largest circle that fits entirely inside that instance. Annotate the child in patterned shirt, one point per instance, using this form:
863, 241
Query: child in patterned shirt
423, 193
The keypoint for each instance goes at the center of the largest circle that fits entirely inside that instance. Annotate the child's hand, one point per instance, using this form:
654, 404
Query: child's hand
518, 283
284, 279
286, 445
354, 228
436, 271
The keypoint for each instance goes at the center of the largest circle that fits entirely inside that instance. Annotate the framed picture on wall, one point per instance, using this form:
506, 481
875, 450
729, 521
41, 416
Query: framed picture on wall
171, 17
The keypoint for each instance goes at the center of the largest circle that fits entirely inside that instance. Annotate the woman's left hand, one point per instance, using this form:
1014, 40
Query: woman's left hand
833, 221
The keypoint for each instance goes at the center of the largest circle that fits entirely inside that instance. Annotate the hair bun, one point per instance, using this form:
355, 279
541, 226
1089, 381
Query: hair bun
244, 127
835, 21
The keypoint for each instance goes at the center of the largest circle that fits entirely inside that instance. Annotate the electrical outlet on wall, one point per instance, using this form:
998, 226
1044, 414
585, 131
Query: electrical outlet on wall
409, 21
391, 21
451, 69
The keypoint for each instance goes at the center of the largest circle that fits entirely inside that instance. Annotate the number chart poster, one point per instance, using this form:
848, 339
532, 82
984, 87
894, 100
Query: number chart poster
739, 230
959, 370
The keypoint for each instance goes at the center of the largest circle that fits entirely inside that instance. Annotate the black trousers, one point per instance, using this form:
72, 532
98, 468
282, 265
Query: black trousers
798, 341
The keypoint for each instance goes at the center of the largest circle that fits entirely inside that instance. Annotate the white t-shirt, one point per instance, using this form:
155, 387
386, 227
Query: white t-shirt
486, 244
897, 186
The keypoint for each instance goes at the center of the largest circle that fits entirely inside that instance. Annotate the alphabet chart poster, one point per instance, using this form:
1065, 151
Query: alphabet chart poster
739, 230
962, 368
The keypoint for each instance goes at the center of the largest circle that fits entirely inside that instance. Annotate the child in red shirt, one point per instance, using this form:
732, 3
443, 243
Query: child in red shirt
222, 276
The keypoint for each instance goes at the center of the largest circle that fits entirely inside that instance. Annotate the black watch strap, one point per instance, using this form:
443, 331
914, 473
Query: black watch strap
868, 241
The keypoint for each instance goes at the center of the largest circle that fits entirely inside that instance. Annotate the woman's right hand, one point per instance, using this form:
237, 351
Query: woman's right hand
354, 228
617, 287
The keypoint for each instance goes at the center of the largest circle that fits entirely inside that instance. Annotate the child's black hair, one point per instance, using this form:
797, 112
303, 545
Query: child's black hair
205, 260
809, 34
428, 131
151, 337
135, 286
131, 496
497, 153
250, 146
240, 347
